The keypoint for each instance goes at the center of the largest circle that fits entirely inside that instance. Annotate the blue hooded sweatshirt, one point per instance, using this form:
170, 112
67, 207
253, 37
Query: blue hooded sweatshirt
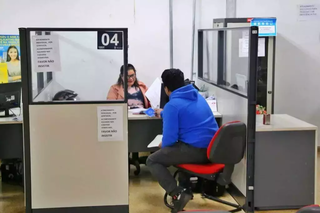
188, 118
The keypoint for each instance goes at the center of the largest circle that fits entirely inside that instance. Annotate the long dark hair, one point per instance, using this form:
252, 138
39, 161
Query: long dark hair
129, 67
8, 57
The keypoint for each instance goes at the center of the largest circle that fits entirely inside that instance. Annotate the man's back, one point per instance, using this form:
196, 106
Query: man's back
188, 118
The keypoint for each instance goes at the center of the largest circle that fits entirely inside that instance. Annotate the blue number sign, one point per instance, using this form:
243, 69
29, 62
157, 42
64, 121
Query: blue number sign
267, 26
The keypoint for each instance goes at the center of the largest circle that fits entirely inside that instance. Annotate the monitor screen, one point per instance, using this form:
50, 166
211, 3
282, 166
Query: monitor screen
10, 96
165, 99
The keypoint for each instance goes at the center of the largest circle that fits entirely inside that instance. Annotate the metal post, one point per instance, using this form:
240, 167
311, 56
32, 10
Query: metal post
251, 123
171, 32
193, 37
231, 8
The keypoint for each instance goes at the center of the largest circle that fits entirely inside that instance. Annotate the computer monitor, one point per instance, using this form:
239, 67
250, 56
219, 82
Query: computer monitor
10, 97
165, 99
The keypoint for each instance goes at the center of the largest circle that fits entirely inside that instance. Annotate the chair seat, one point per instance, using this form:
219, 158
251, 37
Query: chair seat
204, 169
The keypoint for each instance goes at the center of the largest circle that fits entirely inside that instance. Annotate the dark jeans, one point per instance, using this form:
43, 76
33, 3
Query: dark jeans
180, 153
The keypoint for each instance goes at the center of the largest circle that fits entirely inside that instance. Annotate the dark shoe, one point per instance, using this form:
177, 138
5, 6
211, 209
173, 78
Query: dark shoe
180, 200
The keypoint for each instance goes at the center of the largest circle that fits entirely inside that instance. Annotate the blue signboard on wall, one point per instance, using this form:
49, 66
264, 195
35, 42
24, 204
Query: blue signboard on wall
267, 26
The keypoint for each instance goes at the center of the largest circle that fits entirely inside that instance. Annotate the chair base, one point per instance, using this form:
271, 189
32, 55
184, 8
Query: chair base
137, 161
204, 195
236, 206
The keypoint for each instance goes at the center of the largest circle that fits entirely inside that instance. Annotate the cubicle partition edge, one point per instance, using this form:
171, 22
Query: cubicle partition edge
67, 167
236, 105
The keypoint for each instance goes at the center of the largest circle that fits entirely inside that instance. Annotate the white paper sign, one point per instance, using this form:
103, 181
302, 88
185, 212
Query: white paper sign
46, 53
244, 47
308, 12
110, 123
267, 29
154, 93
245, 34
261, 47
213, 105
241, 81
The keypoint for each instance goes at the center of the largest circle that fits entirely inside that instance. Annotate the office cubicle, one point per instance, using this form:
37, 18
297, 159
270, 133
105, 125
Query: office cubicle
227, 68
76, 151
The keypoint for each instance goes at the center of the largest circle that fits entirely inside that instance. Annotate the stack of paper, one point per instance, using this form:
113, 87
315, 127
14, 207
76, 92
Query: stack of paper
156, 142
154, 93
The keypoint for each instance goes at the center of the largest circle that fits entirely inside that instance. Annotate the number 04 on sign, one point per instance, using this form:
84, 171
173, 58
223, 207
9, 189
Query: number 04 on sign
110, 40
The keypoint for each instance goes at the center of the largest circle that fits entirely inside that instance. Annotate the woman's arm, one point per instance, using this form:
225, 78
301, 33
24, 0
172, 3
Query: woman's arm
144, 89
112, 94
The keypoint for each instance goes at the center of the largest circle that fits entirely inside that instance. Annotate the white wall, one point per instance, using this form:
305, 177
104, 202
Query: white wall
147, 20
206, 11
297, 57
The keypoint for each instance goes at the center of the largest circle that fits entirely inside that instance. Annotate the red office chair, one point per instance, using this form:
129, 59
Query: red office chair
224, 151
310, 209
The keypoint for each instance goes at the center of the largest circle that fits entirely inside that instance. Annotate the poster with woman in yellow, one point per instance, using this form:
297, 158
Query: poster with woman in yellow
10, 66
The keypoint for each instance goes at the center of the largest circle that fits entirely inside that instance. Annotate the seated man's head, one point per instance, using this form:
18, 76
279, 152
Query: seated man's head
172, 79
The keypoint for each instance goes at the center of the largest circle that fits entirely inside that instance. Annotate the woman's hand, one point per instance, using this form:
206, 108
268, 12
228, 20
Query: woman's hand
160, 145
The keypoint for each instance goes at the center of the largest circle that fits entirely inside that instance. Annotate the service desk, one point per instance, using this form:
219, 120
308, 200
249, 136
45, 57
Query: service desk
11, 140
285, 163
142, 129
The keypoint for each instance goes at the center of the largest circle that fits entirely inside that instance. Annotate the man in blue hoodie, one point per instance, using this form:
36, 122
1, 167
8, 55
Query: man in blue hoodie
188, 127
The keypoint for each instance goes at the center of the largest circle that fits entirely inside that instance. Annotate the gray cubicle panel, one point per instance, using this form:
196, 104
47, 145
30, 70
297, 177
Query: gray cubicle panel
285, 164
73, 163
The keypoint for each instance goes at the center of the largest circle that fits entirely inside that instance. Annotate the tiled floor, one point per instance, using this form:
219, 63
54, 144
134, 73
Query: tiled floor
145, 196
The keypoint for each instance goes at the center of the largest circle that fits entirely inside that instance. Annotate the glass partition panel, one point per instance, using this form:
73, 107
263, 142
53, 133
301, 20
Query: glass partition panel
224, 58
78, 65
210, 55
237, 59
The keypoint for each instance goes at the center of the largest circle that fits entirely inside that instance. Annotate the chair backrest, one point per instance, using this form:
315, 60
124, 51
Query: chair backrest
310, 209
228, 144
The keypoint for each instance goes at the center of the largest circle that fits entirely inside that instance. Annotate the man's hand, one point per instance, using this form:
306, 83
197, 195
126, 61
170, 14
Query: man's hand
160, 145
158, 112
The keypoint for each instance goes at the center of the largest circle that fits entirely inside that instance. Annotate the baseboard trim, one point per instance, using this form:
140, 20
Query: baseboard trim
275, 208
236, 194
87, 209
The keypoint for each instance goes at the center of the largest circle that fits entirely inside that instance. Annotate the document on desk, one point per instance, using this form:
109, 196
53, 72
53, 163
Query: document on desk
153, 93
137, 110
156, 142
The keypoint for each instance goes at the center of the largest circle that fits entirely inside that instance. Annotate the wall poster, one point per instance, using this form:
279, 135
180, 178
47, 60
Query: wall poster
10, 58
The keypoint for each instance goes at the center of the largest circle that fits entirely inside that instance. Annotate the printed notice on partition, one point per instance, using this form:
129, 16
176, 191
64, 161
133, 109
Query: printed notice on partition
110, 123
244, 47
308, 12
46, 53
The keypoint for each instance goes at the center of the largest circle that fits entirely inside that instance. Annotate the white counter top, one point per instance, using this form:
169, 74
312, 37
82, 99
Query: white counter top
145, 117
283, 122
12, 120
